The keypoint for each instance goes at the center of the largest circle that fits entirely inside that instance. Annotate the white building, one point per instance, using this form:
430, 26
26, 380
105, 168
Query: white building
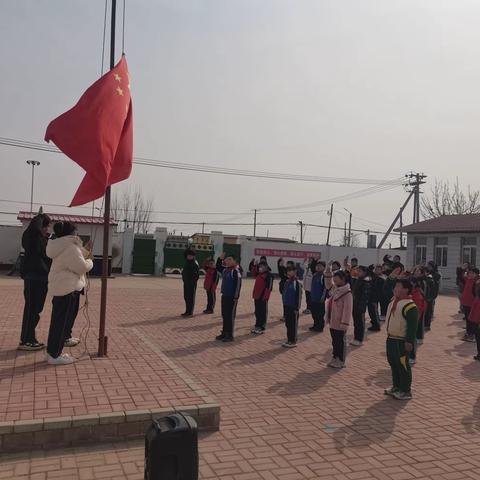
449, 241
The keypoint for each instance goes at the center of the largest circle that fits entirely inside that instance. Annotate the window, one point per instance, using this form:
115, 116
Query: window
469, 250
441, 251
420, 250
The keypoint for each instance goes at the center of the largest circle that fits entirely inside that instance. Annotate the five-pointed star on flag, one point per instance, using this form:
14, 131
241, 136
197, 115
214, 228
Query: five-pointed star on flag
117, 77
120, 91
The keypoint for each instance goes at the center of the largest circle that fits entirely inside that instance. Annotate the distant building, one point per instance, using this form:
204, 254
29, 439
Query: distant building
449, 241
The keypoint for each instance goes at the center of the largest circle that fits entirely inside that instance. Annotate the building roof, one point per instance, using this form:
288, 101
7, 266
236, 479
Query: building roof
264, 239
446, 224
61, 217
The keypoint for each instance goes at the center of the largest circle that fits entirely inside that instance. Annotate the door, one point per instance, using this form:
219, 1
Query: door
144, 256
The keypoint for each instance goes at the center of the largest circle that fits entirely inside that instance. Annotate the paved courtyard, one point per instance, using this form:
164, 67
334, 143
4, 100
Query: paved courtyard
284, 414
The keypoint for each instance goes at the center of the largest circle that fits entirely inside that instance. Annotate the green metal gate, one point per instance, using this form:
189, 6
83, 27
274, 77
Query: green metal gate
232, 249
144, 256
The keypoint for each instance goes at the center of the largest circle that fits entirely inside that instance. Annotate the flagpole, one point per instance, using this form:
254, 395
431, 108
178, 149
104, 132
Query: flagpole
102, 338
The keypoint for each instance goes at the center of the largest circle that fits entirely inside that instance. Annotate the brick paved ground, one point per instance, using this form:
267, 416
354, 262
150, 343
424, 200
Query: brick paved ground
285, 415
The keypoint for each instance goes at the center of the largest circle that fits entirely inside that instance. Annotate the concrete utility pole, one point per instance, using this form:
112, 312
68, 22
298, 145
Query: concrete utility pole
255, 223
349, 244
329, 224
301, 230
33, 163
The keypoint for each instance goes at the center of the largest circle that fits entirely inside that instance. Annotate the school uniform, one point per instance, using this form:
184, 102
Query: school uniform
318, 296
231, 286
190, 276
261, 295
432, 286
66, 281
292, 300
419, 299
210, 285
474, 319
402, 318
468, 298
361, 293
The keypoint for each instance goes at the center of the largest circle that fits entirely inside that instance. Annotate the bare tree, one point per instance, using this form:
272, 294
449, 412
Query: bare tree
446, 199
132, 209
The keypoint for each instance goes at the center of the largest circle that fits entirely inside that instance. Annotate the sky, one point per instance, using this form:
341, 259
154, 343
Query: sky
352, 88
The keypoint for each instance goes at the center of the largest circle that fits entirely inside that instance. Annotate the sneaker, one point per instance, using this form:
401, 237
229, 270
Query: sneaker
72, 342
31, 347
259, 331
373, 329
185, 315
220, 337
427, 329
206, 311
307, 312
402, 395
227, 339
382, 318
412, 361
316, 329
332, 362
289, 345
63, 359
390, 391
468, 338
356, 343
337, 363
419, 341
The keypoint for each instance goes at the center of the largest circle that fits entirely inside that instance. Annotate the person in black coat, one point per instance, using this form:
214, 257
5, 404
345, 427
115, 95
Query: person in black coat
376, 294
190, 275
34, 270
361, 286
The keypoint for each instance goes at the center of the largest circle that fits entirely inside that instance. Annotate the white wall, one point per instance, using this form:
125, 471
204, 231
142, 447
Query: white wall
366, 256
10, 243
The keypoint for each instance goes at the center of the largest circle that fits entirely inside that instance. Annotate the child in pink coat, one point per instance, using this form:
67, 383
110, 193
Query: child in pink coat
338, 314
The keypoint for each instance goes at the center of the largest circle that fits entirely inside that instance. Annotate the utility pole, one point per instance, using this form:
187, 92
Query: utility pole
349, 227
33, 163
415, 181
203, 227
102, 338
255, 223
329, 224
301, 230
401, 229
345, 235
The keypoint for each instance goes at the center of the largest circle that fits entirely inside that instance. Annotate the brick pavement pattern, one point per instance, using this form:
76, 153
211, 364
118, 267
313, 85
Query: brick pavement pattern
285, 415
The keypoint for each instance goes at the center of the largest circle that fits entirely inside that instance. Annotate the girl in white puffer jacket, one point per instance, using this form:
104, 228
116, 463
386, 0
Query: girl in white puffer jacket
66, 280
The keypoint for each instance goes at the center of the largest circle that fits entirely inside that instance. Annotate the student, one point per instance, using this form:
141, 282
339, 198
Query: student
292, 299
190, 275
210, 285
352, 267
419, 299
261, 295
386, 296
434, 274
338, 315
474, 317
318, 296
70, 263
34, 270
460, 282
361, 286
335, 265
468, 298
376, 293
231, 286
402, 318
307, 283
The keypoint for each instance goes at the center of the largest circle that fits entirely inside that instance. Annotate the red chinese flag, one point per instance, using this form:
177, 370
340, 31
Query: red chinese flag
97, 133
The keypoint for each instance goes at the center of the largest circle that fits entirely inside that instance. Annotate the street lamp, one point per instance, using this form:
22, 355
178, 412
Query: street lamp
33, 163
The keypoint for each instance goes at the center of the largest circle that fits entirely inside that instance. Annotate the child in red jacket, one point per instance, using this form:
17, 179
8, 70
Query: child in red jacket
261, 294
210, 285
468, 297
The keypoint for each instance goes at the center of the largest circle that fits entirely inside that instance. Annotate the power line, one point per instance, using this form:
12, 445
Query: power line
213, 169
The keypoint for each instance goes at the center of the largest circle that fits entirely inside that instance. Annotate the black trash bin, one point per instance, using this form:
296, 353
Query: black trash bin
171, 449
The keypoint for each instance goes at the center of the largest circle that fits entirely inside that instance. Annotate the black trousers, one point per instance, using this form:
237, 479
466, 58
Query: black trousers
229, 311
261, 313
189, 292
211, 300
339, 344
477, 337
373, 314
429, 313
64, 312
318, 315
35, 293
358, 323
384, 302
308, 298
291, 322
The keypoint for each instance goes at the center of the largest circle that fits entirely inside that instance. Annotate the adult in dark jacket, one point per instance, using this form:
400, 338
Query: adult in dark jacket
190, 275
34, 270
376, 295
361, 294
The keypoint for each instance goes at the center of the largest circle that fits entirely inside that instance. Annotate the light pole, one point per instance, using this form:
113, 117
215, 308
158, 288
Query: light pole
33, 163
349, 227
